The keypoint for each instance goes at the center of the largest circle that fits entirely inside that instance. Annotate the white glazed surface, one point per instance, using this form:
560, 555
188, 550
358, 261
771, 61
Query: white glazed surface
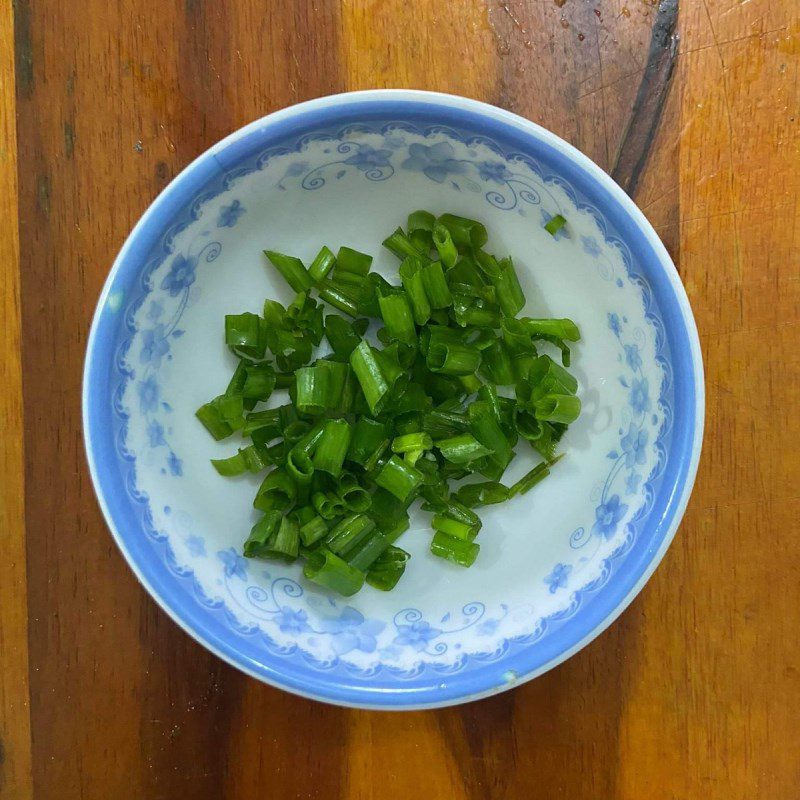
537, 551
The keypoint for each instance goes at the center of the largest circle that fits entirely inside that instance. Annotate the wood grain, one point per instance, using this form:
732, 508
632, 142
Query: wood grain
15, 744
695, 692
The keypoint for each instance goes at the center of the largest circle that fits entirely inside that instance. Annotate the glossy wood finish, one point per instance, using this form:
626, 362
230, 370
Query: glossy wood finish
695, 692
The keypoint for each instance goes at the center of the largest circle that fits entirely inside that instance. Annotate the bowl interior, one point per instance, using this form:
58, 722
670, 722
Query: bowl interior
548, 559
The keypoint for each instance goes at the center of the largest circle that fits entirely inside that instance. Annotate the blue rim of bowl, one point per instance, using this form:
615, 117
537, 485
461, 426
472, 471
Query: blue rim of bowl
430, 689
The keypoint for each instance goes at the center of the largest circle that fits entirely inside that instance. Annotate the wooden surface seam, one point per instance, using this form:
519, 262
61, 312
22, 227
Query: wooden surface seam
695, 691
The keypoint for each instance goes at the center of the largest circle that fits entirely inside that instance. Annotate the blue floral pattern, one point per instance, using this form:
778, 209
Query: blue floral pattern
229, 215
155, 340
557, 579
346, 629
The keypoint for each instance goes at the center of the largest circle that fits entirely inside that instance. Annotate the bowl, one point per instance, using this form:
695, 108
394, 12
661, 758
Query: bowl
557, 565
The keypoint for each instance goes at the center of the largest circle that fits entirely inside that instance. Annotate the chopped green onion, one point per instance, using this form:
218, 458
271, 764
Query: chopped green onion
332, 447
388, 568
396, 314
349, 260
453, 358
244, 335
412, 441
462, 449
557, 328
343, 336
399, 478
563, 408
444, 245
322, 265
455, 527
458, 551
330, 571
411, 276
555, 224
401, 245
370, 440
421, 221
363, 555
259, 382
292, 270
261, 533
466, 233
349, 533
435, 284
312, 531
474, 495
277, 492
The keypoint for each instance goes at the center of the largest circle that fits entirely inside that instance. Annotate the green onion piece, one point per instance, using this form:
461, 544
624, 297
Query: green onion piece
388, 511
453, 358
292, 270
321, 265
277, 492
487, 431
474, 495
496, 364
328, 505
244, 335
349, 533
411, 277
420, 221
387, 569
312, 531
370, 439
352, 494
411, 442
349, 260
471, 383
442, 424
300, 468
530, 479
261, 533
370, 377
564, 408
319, 387
455, 527
462, 449
466, 233
285, 544
339, 297
229, 467
236, 383
330, 571
363, 555
401, 245
557, 328
344, 336
444, 244
509, 292
547, 377
399, 478
435, 284
332, 447
555, 224
422, 240
259, 382
396, 314
217, 419
456, 550
267, 421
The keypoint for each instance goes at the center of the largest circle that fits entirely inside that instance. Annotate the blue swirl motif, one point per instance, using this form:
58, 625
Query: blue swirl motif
306, 654
177, 283
623, 478
374, 164
413, 631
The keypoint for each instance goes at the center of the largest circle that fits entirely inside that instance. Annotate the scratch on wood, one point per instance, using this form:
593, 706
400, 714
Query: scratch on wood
650, 99
69, 139
43, 194
23, 49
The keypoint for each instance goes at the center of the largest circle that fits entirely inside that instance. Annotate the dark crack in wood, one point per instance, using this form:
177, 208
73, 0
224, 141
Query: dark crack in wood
650, 99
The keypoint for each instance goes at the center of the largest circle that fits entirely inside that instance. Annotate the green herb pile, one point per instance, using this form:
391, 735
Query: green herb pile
455, 385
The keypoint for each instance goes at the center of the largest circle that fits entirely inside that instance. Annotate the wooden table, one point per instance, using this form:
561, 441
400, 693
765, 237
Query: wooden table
695, 692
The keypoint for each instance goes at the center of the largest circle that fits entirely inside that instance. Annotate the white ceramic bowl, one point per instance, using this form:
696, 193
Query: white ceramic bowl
557, 565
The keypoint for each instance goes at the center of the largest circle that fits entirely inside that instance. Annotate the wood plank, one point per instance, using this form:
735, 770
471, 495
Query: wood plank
695, 691
15, 742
